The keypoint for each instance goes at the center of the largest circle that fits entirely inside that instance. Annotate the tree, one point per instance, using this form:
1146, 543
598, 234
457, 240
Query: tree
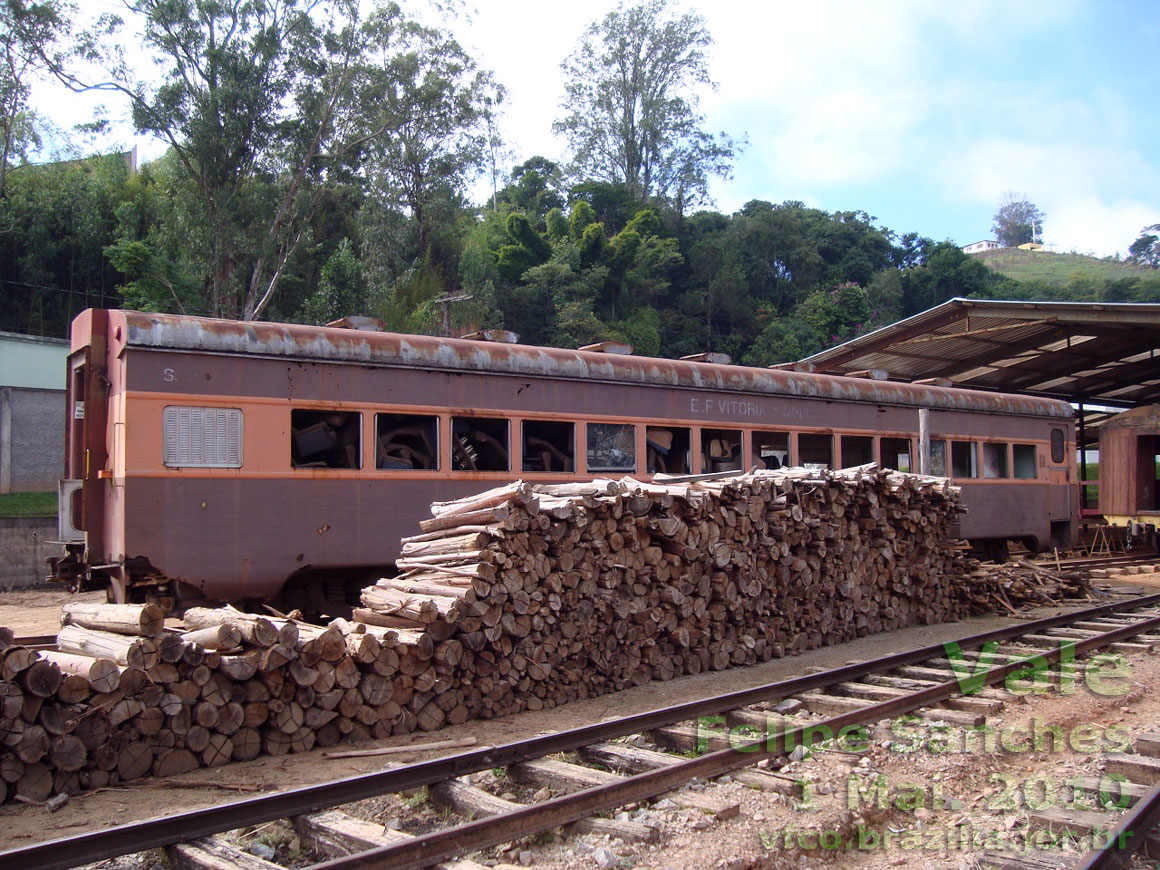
1018, 221
436, 104
630, 108
1145, 251
32, 33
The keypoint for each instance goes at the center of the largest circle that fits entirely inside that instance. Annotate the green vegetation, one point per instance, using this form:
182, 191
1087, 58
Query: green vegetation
319, 164
28, 504
1059, 270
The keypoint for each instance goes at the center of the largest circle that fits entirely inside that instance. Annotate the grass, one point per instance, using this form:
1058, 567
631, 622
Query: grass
1058, 269
28, 504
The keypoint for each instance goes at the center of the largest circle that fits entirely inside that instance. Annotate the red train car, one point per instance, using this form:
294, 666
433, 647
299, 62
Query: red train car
233, 461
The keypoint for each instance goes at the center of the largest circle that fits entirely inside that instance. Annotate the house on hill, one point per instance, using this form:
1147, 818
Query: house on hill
979, 247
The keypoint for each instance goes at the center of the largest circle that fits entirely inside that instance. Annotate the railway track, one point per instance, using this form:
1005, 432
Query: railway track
921, 680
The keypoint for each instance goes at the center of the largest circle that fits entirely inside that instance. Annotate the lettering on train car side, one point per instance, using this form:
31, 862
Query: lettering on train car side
726, 407
168, 375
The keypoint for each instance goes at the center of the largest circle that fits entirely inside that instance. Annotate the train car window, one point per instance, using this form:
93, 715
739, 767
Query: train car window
896, 453
404, 441
817, 450
667, 449
938, 458
720, 450
964, 459
611, 447
1057, 451
1025, 462
857, 450
995, 460
771, 449
549, 445
479, 444
325, 439
201, 437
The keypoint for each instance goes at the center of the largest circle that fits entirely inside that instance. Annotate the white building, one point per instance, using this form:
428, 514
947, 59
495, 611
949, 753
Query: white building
979, 247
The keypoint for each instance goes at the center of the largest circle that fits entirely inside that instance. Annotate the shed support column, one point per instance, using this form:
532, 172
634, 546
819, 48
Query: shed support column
1083, 473
924, 440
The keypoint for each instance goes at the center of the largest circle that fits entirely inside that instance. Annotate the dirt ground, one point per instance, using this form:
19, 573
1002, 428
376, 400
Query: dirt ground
771, 831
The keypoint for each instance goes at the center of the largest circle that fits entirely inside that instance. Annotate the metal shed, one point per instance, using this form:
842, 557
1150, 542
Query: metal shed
1090, 353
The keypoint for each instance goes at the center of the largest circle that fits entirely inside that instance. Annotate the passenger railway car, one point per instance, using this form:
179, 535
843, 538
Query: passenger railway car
1130, 472
233, 461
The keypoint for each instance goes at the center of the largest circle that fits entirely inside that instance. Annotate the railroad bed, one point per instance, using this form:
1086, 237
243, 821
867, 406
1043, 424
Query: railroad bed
629, 761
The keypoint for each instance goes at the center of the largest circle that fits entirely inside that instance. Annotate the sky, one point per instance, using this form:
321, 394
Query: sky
921, 114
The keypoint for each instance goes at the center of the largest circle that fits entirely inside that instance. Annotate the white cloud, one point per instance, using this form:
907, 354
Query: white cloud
1096, 197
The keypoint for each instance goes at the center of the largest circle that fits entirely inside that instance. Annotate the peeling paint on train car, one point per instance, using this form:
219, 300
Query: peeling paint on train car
164, 331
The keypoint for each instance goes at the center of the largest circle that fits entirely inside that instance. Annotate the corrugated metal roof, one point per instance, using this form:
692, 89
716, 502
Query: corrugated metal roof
1091, 352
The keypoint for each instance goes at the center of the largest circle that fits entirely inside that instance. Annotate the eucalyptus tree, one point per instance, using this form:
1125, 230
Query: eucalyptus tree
631, 108
32, 36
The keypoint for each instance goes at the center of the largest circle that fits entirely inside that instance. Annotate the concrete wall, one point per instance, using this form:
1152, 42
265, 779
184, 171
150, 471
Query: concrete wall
31, 439
32, 383
24, 547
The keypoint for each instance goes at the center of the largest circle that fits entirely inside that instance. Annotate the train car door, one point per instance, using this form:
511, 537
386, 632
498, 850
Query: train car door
1059, 490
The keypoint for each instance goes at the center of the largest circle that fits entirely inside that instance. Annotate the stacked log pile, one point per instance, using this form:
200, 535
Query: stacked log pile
521, 598
561, 592
123, 698
1011, 587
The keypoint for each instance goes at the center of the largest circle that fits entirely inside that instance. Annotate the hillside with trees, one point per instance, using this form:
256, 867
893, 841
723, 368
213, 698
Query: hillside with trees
320, 166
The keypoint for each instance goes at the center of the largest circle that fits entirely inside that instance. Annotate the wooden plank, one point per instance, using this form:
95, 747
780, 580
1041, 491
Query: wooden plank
336, 835
631, 759
475, 802
215, 854
1141, 769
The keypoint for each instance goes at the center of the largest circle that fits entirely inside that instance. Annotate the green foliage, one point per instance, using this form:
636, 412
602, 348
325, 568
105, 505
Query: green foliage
837, 315
35, 35
341, 290
1145, 251
630, 110
1051, 276
56, 222
782, 340
1018, 221
535, 188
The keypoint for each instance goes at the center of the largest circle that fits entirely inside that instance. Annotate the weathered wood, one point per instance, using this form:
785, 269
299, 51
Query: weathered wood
215, 854
475, 802
126, 650
144, 620
223, 636
103, 675
256, 630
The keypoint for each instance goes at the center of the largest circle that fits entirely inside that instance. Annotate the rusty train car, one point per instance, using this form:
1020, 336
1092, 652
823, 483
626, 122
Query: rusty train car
212, 460
1130, 472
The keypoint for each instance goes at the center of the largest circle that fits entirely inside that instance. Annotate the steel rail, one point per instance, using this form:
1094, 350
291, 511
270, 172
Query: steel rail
444, 845
151, 833
1128, 837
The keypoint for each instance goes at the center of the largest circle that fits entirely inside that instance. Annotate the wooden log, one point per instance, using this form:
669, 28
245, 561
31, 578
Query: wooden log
144, 620
125, 650
223, 636
103, 675
42, 678
256, 630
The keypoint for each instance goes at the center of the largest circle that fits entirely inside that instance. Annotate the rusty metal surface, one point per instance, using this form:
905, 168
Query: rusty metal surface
1128, 837
163, 331
137, 836
1088, 352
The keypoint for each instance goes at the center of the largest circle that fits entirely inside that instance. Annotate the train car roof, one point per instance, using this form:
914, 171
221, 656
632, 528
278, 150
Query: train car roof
353, 346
